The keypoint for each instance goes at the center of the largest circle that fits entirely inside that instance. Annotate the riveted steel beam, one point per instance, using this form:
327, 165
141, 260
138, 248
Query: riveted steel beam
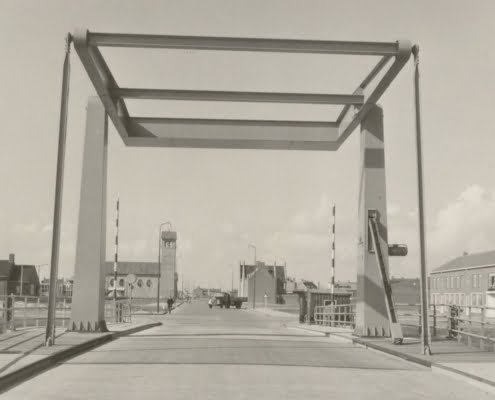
232, 134
356, 105
257, 97
352, 117
243, 44
102, 80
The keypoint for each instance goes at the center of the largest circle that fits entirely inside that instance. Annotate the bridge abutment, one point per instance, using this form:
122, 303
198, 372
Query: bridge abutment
371, 310
88, 300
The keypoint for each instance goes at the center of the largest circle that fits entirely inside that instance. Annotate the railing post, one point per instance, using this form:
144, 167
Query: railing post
434, 320
38, 308
63, 312
482, 322
12, 311
4, 315
419, 317
470, 330
24, 323
130, 309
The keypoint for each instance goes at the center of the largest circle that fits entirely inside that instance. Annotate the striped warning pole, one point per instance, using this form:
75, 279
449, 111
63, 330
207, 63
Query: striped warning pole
116, 257
332, 283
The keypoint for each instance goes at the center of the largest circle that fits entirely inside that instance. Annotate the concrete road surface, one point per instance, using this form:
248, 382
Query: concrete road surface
200, 353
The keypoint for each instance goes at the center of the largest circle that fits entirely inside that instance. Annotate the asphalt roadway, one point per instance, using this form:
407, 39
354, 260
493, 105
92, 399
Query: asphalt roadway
200, 353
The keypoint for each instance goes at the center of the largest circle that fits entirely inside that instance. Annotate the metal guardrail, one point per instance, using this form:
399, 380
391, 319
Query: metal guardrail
339, 315
410, 315
473, 322
456, 322
30, 311
118, 311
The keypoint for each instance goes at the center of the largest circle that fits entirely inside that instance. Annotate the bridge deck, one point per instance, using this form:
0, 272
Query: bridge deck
237, 354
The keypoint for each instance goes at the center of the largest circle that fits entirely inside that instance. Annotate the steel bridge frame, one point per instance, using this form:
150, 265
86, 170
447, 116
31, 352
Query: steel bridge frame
234, 133
358, 109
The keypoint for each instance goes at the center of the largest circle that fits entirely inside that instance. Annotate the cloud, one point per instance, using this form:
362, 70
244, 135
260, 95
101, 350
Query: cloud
48, 228
230, 231
393, 210
305, 243
466, 224
313, 218
31, 227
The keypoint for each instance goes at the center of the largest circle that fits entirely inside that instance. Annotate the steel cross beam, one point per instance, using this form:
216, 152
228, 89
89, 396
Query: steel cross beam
242, 134
255, 97
243, 44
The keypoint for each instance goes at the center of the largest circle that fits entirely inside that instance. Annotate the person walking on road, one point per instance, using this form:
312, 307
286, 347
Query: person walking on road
170, 303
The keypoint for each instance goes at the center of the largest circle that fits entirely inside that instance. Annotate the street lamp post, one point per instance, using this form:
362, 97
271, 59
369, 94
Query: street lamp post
160, 264
254, 276
22, 276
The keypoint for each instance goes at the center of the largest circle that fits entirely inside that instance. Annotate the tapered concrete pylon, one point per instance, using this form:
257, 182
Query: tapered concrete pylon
371, 311
88, 299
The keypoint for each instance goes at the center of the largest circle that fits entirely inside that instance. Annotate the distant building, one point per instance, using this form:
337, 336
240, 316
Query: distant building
348, 286
468, 280
64, 287
18, 279
168, 260
260, 279
146, 273
200, 292
296, 285
145, 286
404, 290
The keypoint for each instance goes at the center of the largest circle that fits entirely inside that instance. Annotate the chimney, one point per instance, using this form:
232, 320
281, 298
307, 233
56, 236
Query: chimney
12, 258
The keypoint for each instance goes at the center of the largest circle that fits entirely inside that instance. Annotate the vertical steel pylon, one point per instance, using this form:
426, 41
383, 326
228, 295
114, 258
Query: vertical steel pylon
62, 136
425, 329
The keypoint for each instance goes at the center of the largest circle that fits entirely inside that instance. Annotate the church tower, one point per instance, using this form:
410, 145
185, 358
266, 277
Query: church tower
168, 262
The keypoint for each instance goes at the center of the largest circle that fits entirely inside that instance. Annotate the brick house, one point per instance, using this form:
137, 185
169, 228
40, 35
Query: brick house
468, 280
18, 279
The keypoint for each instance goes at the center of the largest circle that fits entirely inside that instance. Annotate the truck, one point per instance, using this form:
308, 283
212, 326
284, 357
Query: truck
227, 300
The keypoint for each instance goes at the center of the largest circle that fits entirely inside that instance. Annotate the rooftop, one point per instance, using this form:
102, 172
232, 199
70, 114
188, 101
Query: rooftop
484, 259
137, 268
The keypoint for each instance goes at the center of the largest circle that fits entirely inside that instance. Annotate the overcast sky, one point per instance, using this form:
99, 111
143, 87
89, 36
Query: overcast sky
219, 201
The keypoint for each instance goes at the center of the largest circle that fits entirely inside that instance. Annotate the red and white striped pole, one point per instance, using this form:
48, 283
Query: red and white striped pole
116, 257
332, 282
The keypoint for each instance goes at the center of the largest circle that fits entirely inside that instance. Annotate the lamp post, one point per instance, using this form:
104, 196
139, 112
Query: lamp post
160, 264
254, 275
22, 275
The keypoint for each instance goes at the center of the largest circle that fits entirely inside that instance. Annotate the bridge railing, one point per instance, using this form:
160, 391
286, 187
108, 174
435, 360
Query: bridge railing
118, 311
339, 315
474, 325
409, 316
31, 311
